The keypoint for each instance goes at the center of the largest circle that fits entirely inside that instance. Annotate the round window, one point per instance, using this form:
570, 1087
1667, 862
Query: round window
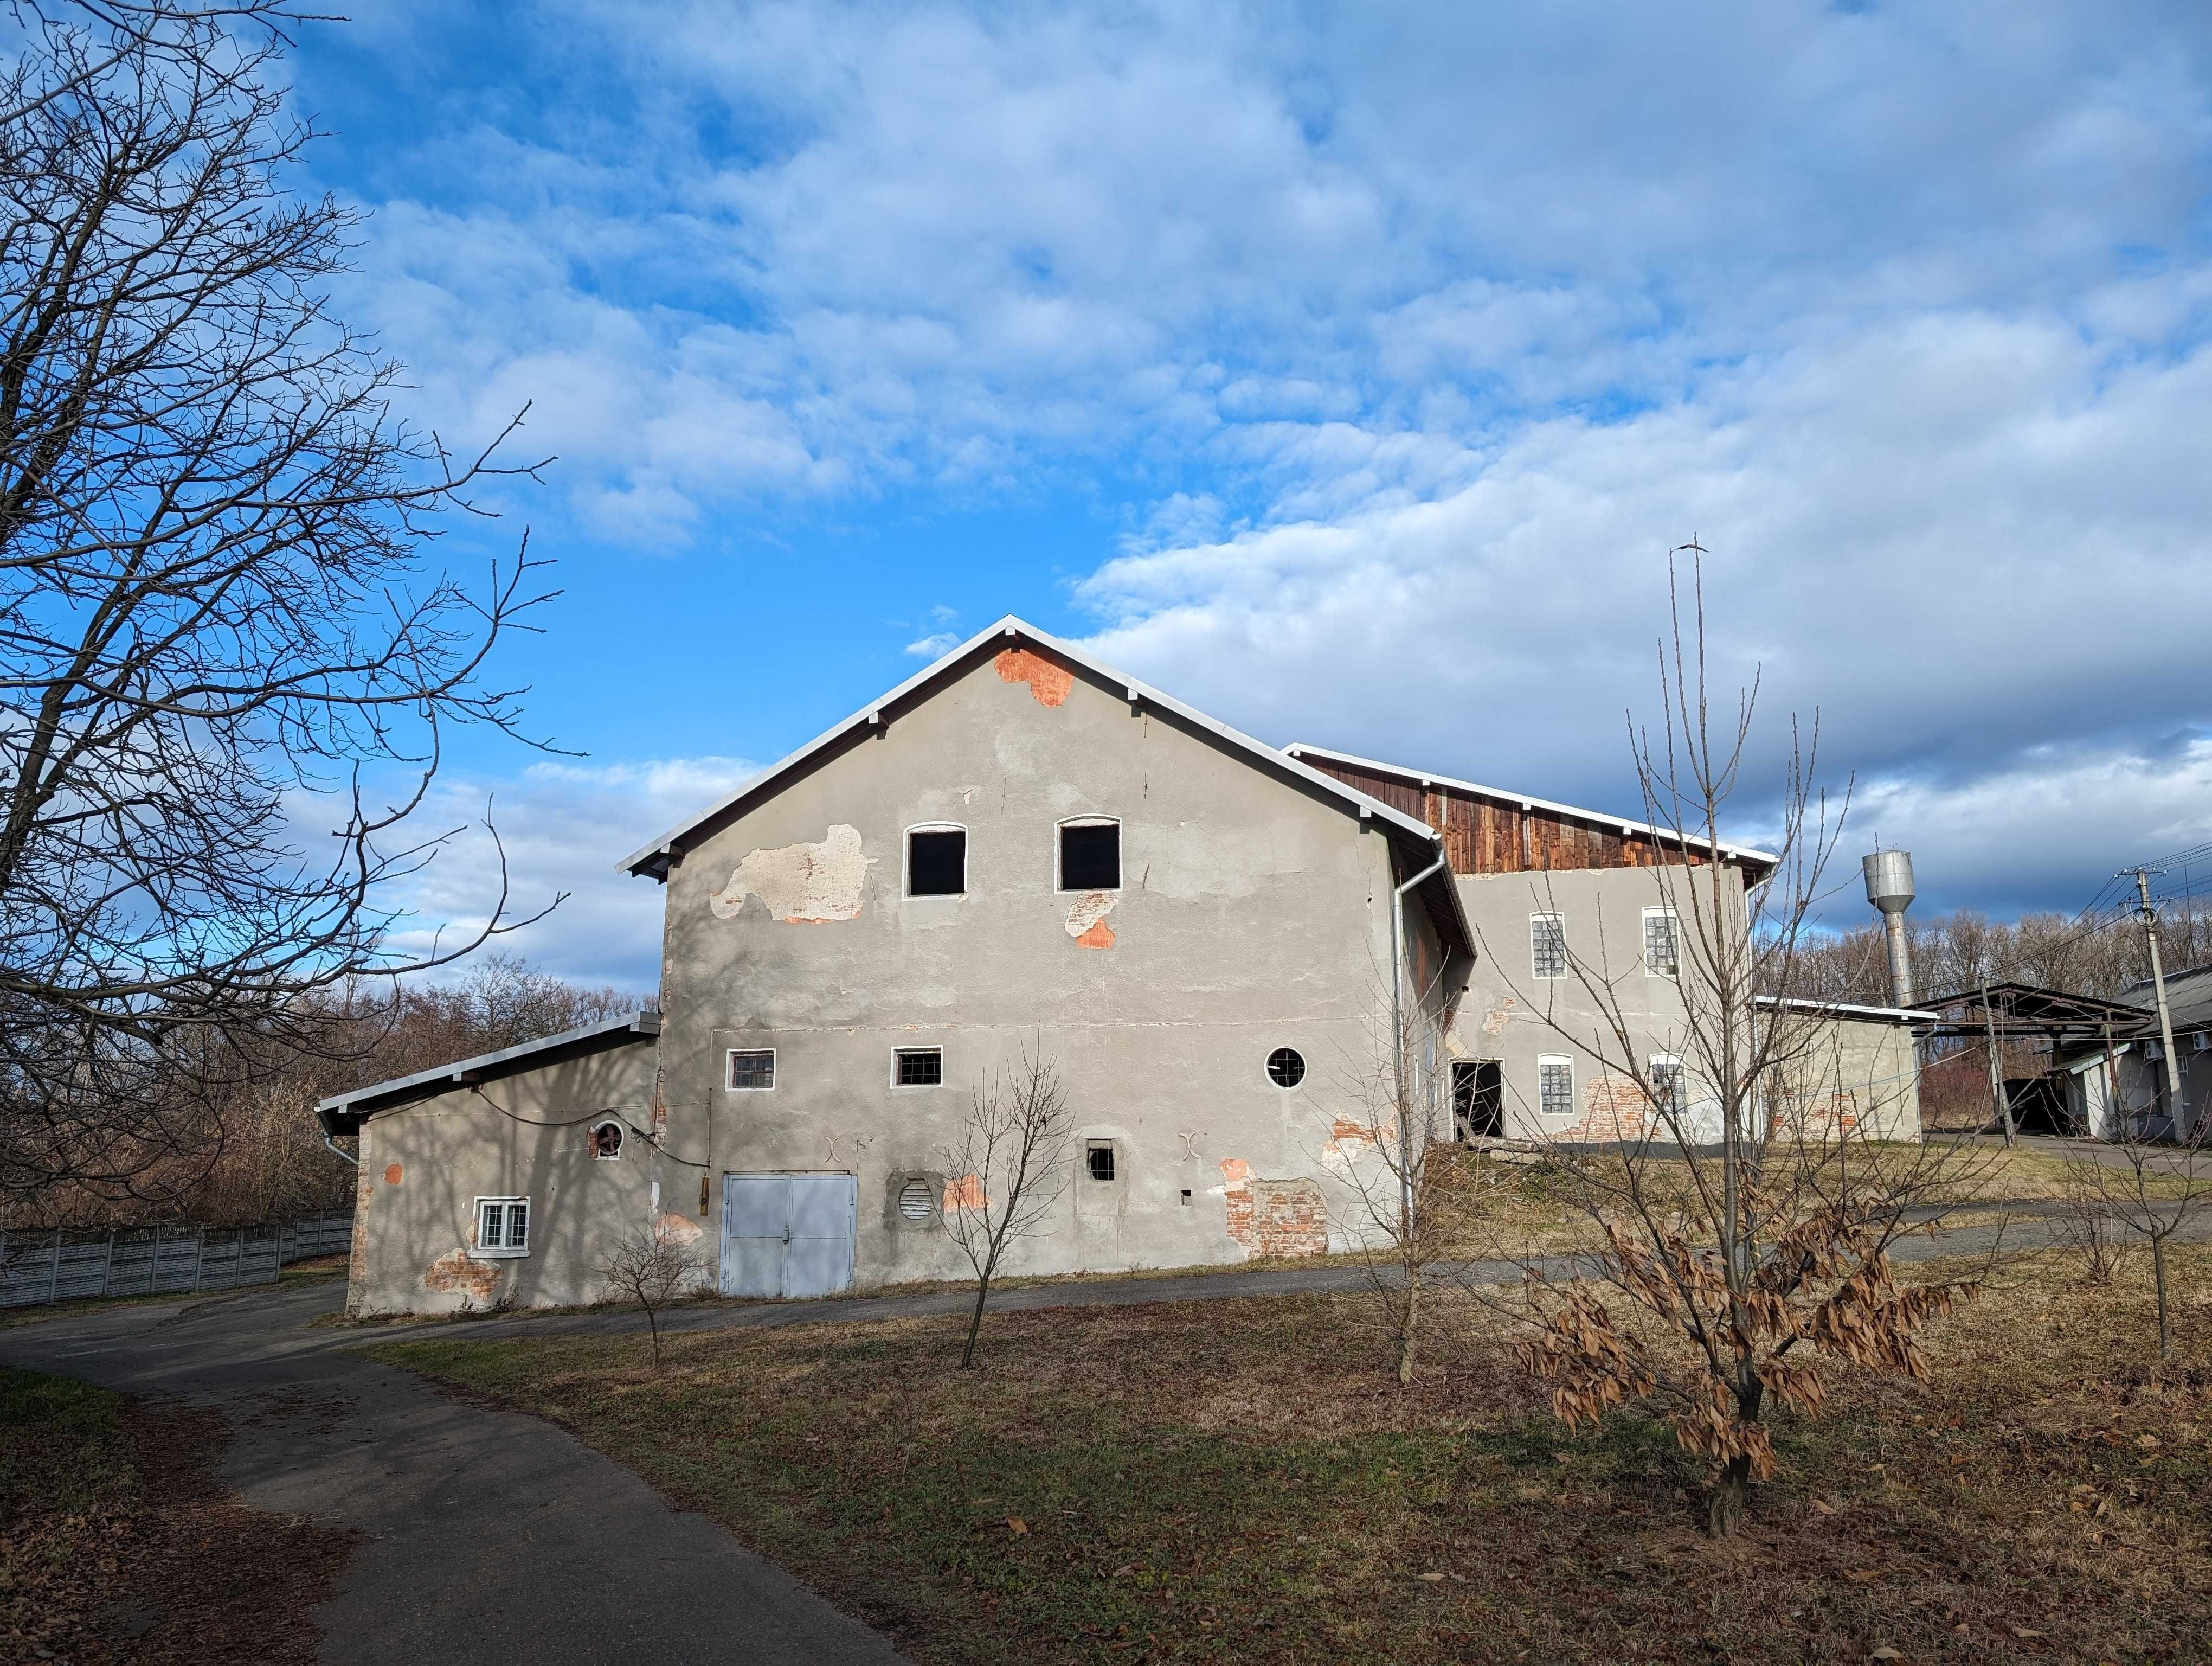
914, 1200
1286, 1066
607, 1140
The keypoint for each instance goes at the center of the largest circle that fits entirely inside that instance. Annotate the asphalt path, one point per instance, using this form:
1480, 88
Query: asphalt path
495, 1538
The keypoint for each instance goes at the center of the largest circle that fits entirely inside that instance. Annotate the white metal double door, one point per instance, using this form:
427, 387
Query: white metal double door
787, 1234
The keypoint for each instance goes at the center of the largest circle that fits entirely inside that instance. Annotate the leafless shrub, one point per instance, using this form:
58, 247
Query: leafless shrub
653, 1267
2129, 1186
1746, 1209
1006, 1169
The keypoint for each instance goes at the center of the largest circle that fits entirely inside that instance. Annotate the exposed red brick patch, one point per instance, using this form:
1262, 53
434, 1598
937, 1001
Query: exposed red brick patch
1341, 1129
1048, 682
454, 1273
391, 1173
1614, 1108
1100, 936
677, 1229
1273, 1217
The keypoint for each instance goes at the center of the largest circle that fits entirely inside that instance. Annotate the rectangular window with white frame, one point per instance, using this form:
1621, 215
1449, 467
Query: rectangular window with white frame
1547, 945
936, 860
1090, 855
751, 1069
1555, 1086
1666, 1076
917, 1067
1662, 943
502, 1228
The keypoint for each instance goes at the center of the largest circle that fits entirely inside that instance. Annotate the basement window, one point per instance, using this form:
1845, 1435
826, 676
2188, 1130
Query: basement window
1663, 942
1555, 1086
917, 1067
502, 1228
607, 1141
753, 1070
1098, 1159
936, 861
1547, 945
1091, 855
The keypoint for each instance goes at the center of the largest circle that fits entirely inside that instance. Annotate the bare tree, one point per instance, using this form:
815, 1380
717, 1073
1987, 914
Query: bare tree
652, 1266
1007, 1169
216, 623
1398, 1165
1745, 1205
2149, 1190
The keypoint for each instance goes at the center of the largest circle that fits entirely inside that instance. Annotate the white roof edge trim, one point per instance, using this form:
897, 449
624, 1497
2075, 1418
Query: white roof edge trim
643, 859
1743, 851
644, 1021
1897, 1014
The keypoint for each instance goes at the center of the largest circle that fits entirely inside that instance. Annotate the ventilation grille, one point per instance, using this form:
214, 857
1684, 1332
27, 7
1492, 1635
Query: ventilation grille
914, 1200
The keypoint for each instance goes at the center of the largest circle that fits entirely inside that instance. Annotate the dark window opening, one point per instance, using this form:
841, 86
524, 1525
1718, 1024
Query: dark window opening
607, 1140
937, 863
1477, 1100
1100, 1160
1091, 856
1286, 1066
919, 1066
753, 1069
1186, 1196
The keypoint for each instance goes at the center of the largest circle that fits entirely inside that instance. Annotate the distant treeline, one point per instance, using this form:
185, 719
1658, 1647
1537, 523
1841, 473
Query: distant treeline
263, 1158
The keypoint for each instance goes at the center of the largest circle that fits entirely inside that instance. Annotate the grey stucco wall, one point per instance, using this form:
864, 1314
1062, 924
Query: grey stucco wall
423, 1166
1253, 914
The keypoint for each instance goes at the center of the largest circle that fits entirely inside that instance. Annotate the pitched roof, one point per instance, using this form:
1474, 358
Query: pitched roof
653, 860
1736, 852
345, 1113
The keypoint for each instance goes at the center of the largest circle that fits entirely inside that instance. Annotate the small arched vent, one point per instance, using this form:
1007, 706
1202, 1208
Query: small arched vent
914, 1200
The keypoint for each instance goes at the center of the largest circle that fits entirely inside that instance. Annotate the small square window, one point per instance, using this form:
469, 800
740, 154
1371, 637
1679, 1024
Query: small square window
1555, 1086
1663, 942
1090, 855
752, 1071
1099, 1160
937, 861
502, 1228
918, 1066
1547, 945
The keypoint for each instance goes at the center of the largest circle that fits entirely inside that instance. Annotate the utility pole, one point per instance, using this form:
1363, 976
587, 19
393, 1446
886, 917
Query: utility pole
2174, 1110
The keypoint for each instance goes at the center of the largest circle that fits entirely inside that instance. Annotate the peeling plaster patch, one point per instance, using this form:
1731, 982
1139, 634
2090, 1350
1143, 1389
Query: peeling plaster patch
1086, 919
677, 1230
803, 884
965, 1193
454, 1273
391, 1174
1499, 1018
1048, 682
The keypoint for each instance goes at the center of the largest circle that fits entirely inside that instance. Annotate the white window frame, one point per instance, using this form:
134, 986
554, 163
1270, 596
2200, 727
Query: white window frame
1536, 920
1306, 1069
906, 860
1644, 949
898, 1086
1659, 1062
621, 1139
1113, 1150
478, 1250
729, 1057
1121, 848
1566, 1060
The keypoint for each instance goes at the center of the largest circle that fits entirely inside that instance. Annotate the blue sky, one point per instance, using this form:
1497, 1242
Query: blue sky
1347, 371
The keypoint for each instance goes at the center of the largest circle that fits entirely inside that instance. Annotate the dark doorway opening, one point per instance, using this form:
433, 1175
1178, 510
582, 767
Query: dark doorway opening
1477, 1100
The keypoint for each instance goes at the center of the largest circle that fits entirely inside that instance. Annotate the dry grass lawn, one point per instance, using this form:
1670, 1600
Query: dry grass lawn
1242, 1481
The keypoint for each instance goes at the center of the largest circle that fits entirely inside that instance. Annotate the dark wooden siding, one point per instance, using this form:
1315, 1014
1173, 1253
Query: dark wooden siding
1487, 835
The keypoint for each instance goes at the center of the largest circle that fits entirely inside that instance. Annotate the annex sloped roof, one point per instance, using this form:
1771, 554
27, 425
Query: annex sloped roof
345, 1113
652, 860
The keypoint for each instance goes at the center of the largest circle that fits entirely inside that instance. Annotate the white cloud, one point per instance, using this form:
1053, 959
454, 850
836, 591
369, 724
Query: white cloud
563, 826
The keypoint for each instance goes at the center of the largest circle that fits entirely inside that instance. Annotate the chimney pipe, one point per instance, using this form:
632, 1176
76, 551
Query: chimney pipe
1889, 888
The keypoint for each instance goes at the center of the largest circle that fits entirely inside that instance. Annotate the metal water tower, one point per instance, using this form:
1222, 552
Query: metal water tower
1889, 888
